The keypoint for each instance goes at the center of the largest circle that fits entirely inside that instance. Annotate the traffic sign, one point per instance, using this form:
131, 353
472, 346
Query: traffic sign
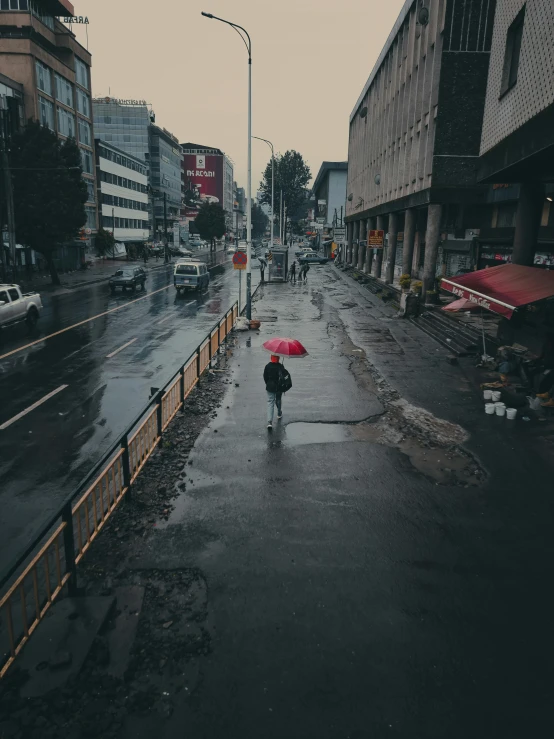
239, 260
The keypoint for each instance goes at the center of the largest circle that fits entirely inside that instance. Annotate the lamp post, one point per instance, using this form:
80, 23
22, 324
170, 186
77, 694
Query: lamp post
248, 45
272, 189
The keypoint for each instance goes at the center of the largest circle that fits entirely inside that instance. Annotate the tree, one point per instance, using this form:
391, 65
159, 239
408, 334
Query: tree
105, 242
292, 176
48, 191
259, 221
210, 222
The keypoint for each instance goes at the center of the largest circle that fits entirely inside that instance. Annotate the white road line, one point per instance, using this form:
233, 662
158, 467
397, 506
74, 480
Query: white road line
32, 407
190, 303
164, 320
121, 348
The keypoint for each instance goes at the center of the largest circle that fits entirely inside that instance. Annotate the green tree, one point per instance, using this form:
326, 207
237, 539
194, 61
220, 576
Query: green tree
292, 176
259, 221
48, 191
105, 242
210, 222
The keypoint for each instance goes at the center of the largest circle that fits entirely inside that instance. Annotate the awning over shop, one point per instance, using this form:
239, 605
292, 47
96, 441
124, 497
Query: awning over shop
503, 289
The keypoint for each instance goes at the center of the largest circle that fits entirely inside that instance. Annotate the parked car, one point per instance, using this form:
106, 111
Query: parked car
179, 251
312, 258
16, 307
306, 250
231, 249
128, 278
190, 275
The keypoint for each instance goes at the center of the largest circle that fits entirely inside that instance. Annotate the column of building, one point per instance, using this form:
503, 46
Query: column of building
363, 244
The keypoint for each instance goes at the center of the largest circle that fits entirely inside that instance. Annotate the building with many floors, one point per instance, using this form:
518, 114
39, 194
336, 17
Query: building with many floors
123, 123
415, 136
42, 54
122, 193
207, 177
517, 139
165, 171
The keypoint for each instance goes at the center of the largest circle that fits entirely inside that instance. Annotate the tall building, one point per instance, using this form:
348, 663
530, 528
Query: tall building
517, 140
165, 163
207, 177
122, 193
123, 123
43, 55
415, 136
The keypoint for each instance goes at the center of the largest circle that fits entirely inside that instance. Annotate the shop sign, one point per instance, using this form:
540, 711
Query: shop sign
119, 101
376, 238
400, 237
77, 19
339, 233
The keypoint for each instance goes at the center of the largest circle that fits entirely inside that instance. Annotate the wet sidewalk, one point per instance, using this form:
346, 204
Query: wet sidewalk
364, 570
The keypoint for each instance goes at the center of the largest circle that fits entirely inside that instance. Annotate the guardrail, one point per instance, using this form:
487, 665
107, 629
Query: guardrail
31, 583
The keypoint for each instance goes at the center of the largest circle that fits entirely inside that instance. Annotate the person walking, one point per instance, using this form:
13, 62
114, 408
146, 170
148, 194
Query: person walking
272, 377
292, 271
306, 268
263, 265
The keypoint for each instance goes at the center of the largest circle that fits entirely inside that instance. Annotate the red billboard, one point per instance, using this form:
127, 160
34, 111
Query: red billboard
203, 181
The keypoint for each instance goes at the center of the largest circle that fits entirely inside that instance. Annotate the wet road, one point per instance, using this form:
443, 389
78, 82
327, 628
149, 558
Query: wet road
75, 386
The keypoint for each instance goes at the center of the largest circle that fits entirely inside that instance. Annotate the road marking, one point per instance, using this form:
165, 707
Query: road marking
189, 303
81, 323
32, 407
164, 320
121, 348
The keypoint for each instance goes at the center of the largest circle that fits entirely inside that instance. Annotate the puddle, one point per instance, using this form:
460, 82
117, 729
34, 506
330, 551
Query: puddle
446, 465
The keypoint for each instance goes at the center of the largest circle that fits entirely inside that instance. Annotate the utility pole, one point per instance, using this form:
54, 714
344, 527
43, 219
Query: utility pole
10, 216
113, 234
166, 257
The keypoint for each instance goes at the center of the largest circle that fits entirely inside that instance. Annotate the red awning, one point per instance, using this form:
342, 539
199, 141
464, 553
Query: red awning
503, 289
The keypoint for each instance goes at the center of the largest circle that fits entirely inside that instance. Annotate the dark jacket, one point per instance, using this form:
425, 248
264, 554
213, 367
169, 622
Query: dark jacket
272, 372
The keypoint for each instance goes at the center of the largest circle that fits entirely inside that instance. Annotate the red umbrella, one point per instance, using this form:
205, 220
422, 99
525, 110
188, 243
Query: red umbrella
285, 347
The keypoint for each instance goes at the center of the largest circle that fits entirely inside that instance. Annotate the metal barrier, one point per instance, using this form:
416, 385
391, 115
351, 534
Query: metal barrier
31, 583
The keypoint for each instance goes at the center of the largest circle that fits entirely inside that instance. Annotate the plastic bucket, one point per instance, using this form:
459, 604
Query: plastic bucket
496, 395
500, 410
511, 413
489, 408
487, 394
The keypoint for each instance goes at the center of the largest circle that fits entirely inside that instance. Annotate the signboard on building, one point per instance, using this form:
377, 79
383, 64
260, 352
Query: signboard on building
320, 220
375, 238
400, 237
339, 233
203, 181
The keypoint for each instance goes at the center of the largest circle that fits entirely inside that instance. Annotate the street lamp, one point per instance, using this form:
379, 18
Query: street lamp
248, 45
272, 188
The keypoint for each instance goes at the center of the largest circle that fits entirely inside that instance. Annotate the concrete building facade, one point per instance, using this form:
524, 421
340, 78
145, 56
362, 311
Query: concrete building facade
517, 141
42, 54
329, 190
412, 160
165, 171
122, 193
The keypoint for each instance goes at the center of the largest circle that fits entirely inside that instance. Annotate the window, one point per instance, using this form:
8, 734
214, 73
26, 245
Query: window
4, 297
64, 91
81, 73
83, 103
511, 56
86, 161
84, 133
44, 79
90, 189
46, 112
14, 295
66, 123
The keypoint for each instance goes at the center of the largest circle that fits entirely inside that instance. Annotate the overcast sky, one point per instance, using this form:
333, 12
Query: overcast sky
311, 59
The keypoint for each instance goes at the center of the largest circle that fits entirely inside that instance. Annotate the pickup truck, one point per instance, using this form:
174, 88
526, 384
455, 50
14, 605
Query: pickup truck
16, 307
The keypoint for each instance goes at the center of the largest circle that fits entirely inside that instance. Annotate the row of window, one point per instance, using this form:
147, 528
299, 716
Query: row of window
48, 20
66, 121
123, 202
112, 156
107, 222
114, 179
64, 88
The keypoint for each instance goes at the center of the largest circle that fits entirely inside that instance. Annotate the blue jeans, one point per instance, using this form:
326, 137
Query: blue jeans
273, 399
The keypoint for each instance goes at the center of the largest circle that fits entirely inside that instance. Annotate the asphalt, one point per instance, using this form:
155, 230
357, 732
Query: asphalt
378, 565
349, 592
46, 453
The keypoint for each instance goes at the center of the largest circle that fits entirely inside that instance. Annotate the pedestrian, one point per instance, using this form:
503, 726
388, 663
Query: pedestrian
263, 265
273, 375
306, 269
292, 271
145, 254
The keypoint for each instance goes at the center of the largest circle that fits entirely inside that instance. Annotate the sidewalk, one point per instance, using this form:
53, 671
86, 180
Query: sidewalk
364, 570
